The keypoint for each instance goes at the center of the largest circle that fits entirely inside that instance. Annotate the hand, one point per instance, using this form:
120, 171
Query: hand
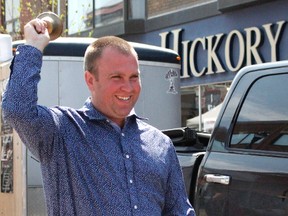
36, 34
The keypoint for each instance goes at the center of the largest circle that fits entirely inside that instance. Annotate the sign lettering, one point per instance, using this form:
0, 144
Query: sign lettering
240, 49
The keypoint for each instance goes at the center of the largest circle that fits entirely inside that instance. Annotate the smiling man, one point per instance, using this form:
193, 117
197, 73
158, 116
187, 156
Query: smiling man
101, 159
114, 86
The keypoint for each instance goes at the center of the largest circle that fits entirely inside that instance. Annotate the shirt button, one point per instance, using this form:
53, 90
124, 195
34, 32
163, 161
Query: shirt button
131, 181
122, 134
127, 156
135, 207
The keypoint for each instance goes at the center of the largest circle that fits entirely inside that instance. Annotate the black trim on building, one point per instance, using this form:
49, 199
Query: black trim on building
228, 5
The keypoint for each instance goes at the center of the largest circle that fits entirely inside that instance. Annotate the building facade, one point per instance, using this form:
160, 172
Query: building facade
215, 38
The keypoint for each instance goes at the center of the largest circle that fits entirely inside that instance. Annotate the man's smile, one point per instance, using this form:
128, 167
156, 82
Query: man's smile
123, 98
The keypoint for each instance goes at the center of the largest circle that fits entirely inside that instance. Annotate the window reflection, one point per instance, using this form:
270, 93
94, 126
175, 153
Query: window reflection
108, 12
12, 16
87, 14
78, 16
211, 97
262, 123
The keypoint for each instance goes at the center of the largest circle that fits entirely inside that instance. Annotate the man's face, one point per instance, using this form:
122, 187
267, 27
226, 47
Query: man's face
117, 87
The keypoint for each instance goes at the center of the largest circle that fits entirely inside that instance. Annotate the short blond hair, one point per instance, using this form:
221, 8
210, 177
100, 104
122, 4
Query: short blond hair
95, 50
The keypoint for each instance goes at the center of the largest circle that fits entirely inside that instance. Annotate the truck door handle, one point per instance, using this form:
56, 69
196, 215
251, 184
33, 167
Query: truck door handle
221, 179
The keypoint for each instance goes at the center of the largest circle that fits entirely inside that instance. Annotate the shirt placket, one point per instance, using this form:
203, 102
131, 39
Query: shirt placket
128, 161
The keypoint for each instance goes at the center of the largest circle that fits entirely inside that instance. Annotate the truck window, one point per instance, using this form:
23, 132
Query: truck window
262, 123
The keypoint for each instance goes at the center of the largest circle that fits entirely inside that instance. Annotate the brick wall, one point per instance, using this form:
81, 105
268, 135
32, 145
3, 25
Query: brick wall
158, 7
35, 7
29, 9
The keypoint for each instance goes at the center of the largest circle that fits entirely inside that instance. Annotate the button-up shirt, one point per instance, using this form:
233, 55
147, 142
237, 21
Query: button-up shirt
89, 167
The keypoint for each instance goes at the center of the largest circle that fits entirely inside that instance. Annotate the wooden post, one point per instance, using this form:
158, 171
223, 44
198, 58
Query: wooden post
12, 181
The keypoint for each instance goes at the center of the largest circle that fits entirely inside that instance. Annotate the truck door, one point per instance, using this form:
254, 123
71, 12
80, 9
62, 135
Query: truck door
245, 169
259, 179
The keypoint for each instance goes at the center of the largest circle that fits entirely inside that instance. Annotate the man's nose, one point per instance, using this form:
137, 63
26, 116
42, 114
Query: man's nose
127, 86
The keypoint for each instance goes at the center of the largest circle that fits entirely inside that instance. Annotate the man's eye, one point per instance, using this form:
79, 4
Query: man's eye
136, 77
116, 77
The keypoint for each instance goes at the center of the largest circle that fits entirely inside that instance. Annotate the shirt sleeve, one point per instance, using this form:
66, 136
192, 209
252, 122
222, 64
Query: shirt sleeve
176, 200
33, 123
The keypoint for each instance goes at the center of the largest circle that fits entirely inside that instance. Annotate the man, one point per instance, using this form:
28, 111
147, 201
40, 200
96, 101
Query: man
101, 159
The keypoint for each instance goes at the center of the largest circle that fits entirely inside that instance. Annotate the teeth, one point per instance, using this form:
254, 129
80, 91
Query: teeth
124, 98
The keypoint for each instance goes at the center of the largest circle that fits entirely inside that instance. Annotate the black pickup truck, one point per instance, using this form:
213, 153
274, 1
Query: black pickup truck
242, 167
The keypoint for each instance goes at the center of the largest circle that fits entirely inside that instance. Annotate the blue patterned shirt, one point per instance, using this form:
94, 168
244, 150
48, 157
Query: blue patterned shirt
88, 167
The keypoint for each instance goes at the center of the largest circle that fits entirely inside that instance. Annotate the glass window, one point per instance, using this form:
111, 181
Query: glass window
262, 123
12, 16
79, 16
211, 97
87, 14
108, 12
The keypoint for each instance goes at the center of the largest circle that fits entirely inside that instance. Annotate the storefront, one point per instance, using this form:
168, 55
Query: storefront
214, 49
215, 39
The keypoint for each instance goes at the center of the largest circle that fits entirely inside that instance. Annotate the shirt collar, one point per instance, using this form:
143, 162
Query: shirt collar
93, 114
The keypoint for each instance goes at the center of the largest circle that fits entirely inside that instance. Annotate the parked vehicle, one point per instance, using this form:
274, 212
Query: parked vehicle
242, 168
239, 169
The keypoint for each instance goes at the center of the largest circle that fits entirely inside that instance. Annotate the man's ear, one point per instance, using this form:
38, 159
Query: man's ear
90, 79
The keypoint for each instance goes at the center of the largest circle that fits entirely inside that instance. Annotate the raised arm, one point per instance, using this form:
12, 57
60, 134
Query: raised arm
33, 123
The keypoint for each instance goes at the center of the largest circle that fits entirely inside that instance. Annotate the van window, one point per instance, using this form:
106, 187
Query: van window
262, 123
